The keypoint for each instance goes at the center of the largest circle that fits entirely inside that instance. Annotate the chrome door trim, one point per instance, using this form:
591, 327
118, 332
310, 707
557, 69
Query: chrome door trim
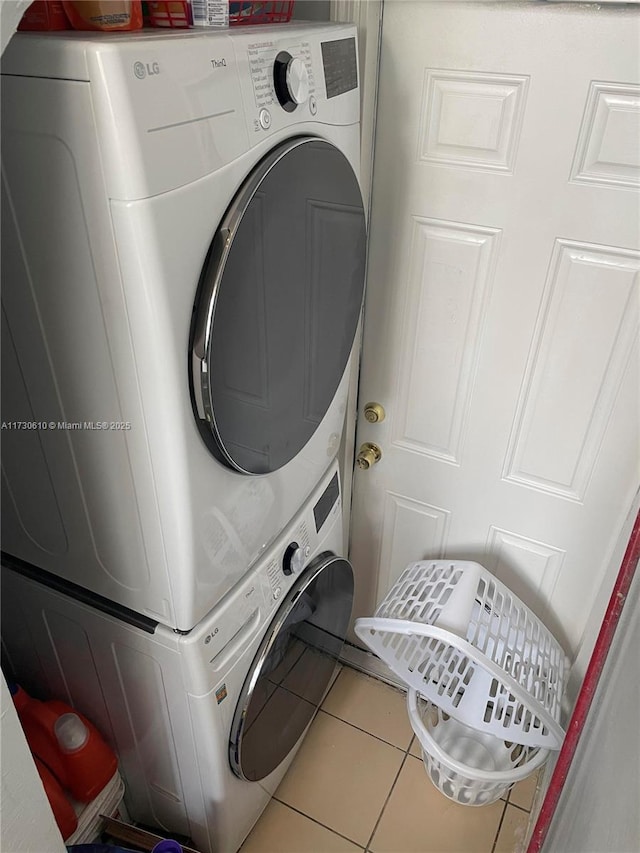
210, 286
318, 565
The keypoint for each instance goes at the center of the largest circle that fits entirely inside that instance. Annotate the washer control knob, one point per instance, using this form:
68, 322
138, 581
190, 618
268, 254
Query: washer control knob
290, 80
293, 559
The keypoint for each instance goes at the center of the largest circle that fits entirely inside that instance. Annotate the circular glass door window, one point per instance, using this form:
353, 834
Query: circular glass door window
292, 669
278, 306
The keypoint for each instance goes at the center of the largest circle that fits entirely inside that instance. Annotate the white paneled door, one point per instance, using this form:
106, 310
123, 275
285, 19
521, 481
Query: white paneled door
501, 327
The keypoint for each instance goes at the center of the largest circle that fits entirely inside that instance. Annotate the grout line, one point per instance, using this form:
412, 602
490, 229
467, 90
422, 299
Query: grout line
364, 731
408, 749
315, 820
386, 801
396, 687
524, 808
367, 664
502, 816
521, 808
353, 725
333, 683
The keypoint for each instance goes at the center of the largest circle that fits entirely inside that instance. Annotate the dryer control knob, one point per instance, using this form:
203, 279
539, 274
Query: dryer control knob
298, 80
293, 560
290, 80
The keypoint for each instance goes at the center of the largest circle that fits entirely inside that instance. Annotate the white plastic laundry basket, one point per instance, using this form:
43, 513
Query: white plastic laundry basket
462, 639
470, 767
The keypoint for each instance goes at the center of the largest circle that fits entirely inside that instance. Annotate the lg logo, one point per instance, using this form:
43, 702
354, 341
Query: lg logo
210, 636
145, 69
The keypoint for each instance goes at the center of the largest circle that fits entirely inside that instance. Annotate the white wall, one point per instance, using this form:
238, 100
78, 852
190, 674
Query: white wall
27, 824
10, 13
26, 820
599, 608
598, 808
311, 10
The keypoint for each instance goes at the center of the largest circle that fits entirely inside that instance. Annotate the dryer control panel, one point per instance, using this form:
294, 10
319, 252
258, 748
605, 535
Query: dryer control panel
281, 76
298, 74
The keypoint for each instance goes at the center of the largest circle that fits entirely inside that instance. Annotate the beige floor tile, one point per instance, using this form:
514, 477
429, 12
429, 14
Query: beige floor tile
419, 819
523, 792
513, 832
341, 777
416, 749
370, 705
281, 830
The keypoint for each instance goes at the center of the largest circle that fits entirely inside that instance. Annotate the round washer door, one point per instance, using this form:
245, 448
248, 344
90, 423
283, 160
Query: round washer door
278, 305
292, 669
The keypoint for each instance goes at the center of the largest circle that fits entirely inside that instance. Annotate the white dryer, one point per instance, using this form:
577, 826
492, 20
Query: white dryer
205, 724
183, 263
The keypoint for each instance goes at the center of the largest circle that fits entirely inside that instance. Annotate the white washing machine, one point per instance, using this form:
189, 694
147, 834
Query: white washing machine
205, 724
183, 245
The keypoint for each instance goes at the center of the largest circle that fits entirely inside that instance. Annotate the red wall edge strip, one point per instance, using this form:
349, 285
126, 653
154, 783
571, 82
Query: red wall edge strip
588, 689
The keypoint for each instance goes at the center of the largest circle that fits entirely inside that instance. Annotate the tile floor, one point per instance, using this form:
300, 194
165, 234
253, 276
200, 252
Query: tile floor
358, 783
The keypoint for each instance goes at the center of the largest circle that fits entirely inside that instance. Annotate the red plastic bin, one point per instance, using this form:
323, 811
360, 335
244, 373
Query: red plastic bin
172, 13
271, 12
42, 15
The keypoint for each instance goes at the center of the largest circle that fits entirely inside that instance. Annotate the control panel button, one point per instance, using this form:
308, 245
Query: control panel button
265, 119
313, 105
277, 593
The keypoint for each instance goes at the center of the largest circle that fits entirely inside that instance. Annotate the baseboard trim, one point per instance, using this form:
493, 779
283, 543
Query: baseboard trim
368, 663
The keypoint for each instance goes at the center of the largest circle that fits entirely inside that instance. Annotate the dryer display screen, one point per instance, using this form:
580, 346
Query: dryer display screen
322, 509
340, 66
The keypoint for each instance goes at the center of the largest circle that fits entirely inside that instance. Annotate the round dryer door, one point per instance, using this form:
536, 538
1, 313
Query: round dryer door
278, 305
293, 668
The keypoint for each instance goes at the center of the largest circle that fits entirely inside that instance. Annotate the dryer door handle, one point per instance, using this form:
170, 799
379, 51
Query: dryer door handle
211, 280
202, 331
220, 243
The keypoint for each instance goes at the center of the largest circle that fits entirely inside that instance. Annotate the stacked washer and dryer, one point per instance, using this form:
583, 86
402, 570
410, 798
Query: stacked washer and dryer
183, 243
